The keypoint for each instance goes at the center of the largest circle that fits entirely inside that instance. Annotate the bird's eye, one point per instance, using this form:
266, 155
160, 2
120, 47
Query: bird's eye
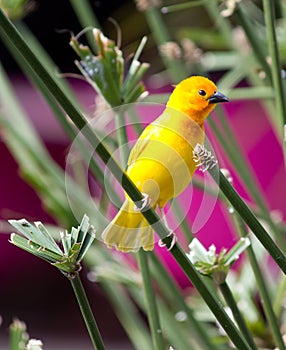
202, 92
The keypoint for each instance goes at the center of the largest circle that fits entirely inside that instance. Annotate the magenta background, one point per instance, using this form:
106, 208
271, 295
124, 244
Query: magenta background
52, 293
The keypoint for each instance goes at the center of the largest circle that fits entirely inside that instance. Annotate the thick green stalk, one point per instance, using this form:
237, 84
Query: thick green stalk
7, 29
249, 218
227, 294
151, 305
67, 126
87, 313
269, 14
50, 67
261, 286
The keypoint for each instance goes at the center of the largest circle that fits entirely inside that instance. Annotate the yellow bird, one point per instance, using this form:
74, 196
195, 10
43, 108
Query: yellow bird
161, 162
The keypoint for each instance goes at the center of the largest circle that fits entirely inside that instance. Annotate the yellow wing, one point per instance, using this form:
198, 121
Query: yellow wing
141, 144
161, 162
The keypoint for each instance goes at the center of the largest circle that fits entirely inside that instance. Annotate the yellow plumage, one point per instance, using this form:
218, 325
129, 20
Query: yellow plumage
161, 162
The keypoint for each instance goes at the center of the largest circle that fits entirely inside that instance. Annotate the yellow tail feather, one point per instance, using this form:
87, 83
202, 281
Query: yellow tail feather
129, 230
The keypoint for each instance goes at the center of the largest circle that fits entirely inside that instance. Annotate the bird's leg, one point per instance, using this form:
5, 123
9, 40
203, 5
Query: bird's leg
172, 234
145, 201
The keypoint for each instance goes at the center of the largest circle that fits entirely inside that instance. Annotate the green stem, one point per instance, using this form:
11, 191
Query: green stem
86, 18
222, 23
240, 164
279, 297
161, 36
122, 305
251, 93
255, 42
10, 32
182, 6
261, 286
87, 313
128, 315
226, 292
173, 330
152, 310
67, 126
172, 292
249, 218
269, 13
209, 297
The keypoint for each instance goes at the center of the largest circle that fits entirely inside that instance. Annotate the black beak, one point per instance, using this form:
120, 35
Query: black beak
218, 97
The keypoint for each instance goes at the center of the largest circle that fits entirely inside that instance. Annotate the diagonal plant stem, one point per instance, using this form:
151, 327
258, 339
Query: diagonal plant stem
261, 286
170, 289
87, 313
248, 217
67, 126
238, 161
10, 32
228, 296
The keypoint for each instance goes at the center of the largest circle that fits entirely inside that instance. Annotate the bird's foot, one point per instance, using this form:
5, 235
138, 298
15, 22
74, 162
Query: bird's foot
145, 201
172, 234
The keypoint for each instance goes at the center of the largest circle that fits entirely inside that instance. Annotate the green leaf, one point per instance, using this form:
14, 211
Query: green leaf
33, 248
89, 238
37, 234
236, 250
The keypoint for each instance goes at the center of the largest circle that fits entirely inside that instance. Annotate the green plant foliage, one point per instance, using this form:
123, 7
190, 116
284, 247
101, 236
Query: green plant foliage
245, 42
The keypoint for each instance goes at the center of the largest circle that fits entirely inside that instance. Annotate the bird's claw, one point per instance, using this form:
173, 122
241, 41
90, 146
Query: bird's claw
172, 234
143, 203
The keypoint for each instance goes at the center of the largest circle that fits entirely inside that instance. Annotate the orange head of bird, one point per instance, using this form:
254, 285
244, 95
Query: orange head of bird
196, 96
